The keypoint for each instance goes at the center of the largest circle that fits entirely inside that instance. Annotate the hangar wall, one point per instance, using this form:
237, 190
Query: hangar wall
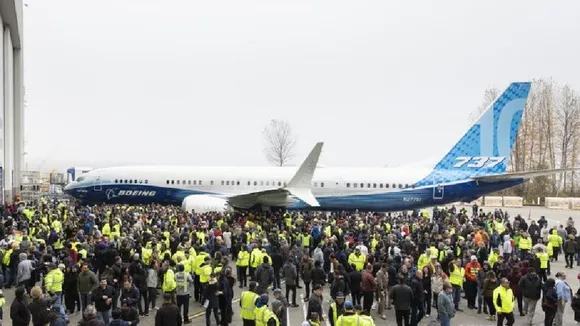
11, 99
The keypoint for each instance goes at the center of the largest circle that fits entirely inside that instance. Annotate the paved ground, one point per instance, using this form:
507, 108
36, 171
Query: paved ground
296, 315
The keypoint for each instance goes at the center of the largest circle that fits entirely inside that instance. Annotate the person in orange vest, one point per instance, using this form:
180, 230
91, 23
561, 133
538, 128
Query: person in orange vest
471, 270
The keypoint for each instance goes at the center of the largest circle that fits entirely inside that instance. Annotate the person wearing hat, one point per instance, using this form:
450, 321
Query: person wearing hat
336, 308
349, 317
282, 315
265, 316
314, 320
279, 312
471, 270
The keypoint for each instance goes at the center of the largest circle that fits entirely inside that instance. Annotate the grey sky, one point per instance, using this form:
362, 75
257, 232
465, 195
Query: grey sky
195, 82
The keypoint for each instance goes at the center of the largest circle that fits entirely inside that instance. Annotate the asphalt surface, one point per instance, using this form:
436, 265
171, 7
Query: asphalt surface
469, 317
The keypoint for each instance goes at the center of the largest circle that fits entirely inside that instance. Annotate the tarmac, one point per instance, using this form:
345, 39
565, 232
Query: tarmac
469, 317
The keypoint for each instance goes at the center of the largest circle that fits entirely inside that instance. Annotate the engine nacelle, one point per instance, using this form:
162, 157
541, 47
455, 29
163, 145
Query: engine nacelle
205, 204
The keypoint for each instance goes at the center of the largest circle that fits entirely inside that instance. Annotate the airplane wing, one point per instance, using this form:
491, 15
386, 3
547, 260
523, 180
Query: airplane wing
299, 186
521, 175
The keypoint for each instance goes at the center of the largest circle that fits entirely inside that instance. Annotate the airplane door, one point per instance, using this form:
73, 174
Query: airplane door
97, 186
438, 190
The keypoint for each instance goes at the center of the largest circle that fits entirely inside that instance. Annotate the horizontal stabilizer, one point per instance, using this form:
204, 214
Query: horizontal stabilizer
304, 195
521, 175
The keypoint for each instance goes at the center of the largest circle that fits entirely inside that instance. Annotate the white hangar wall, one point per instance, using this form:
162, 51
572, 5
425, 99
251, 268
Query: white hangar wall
11, 99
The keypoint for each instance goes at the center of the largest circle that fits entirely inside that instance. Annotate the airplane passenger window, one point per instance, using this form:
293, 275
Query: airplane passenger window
130, 181
184, 182
348, 185
284, 184
199, 182
237, 183
135, 181
380, 185
368, 185
267, 183
177, 181
146, 181
400, 186
279, 183
355, 185
406, 185
227, 183
211, 183
322, 185
374, 185
261, 183
394, 185
362, 185
167, 181
189, 182
316, 184
255, 183
172, 181
222, 182
386, 185
116, 180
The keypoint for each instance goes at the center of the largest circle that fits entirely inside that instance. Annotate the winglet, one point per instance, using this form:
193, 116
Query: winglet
300, 185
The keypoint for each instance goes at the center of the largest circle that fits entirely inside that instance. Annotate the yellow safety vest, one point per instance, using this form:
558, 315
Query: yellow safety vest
505, 297
243, 259
205, 274
543, 257
54, 280
263, 315
169, 284
255, 258
350, 320
456, 277
248, 305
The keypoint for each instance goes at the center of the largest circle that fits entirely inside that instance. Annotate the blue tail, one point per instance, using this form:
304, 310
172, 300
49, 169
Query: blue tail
486, 147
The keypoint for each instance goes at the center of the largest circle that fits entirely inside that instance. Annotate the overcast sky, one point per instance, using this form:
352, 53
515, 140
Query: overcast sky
114, 82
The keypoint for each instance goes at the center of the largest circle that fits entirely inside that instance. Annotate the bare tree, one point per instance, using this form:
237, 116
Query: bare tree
279, 142
488, 97
568, 118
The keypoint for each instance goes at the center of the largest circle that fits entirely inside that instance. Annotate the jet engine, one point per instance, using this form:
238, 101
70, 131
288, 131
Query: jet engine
204, 204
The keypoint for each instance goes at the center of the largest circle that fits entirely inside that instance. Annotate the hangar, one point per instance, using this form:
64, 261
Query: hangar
12, 99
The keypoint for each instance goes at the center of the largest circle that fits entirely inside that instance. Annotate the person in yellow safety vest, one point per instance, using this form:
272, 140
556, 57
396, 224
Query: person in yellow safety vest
198, 261
544, 259
169, 284
349, 317
357, 259
242, 264
53, 282
503, 300
182, 281
279, 314
336, 309
556, 242
424, 259
205, 274
456, 276
248, 302
525, 245
313, 321
265, 316
255, 261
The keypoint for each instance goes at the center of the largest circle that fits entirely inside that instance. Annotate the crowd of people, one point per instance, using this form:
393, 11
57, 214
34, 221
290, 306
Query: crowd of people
111, 262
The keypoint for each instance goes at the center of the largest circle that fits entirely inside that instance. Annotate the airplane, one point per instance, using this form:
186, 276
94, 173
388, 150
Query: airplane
474, 167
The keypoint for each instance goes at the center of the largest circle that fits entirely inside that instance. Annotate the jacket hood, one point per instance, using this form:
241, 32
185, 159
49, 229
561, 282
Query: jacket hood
506, 237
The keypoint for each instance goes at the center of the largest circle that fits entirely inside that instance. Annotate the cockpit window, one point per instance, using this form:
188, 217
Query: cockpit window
80, 179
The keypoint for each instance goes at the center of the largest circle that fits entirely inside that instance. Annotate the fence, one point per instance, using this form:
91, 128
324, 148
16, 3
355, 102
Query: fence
514, 201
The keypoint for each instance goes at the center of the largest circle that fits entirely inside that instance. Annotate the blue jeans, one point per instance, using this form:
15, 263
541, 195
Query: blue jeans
104, 316
456, 295
445, 320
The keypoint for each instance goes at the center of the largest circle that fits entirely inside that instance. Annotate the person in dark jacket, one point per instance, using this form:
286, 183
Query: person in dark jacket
169, 314
41, 315
355, 279
402, 297
19, 312
264, 275
103, 298
317, 274
90, 317
417, 306
550, 301
531, 288
70, 290
290, 275
211, 302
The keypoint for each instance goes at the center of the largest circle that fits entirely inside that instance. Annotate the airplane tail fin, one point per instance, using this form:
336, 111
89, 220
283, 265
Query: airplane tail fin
486, 147
301, 183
